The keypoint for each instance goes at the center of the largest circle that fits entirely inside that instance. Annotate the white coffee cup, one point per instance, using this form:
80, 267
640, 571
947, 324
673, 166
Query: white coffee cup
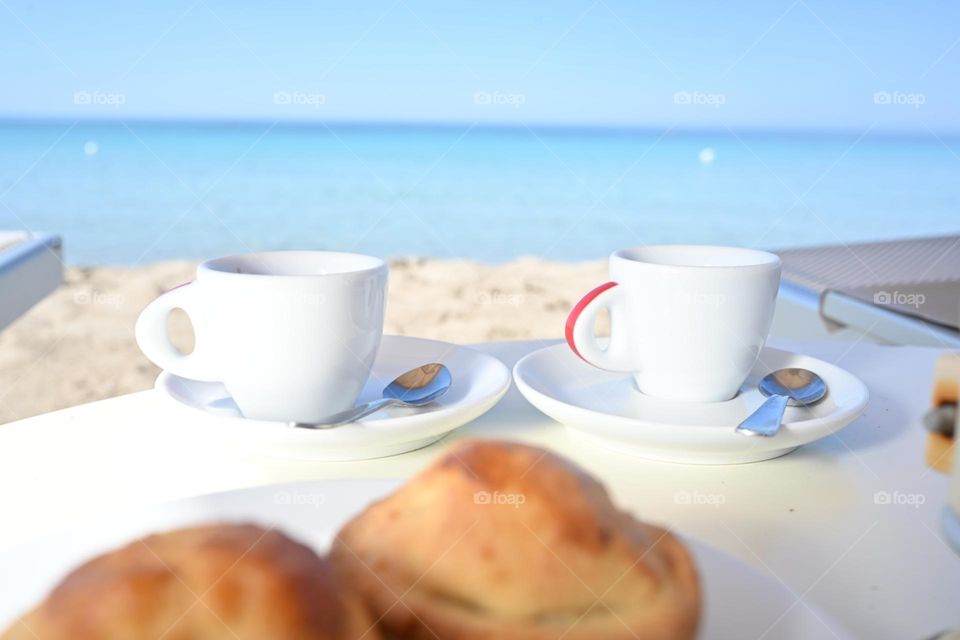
291, 334
687, 321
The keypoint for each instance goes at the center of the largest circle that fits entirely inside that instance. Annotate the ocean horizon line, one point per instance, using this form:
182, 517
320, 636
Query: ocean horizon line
504, 127
116, 190
407, 257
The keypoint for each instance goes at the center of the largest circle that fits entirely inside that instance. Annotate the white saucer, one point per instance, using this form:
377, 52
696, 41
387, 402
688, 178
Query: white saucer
606, 408
740, 602
479, 381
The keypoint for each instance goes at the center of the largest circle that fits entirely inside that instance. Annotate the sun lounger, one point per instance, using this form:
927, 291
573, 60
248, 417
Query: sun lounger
31, 266
899, 292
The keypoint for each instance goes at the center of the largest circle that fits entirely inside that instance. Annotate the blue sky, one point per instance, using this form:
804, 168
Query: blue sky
787, 64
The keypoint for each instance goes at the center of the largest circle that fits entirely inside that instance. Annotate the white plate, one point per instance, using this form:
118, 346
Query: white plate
606, 409
479, 381
740, 601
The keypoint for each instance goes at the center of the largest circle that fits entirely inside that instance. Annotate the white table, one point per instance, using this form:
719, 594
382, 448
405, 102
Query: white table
810, 519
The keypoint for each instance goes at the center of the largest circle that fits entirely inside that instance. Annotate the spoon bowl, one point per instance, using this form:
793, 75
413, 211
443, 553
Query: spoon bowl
420, 386
415, 388
801, 386
793, 387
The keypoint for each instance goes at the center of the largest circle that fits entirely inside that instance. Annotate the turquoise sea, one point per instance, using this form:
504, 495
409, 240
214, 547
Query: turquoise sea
136, 192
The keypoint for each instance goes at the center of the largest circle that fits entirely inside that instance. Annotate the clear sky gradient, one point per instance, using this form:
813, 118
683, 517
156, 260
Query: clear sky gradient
774, 64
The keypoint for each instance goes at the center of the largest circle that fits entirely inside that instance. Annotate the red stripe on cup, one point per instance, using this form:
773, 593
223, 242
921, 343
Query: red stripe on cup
578, 309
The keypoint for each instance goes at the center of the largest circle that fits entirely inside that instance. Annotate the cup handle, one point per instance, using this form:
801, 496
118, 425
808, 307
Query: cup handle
154, 339
579, 330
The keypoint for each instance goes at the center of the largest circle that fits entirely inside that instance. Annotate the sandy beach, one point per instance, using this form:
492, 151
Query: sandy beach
77, 345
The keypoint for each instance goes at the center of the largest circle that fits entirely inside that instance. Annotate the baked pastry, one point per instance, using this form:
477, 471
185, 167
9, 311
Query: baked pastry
509, 542
221, 581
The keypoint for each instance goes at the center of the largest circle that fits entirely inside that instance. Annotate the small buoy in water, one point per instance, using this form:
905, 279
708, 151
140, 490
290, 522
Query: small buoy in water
707, 155
91, 148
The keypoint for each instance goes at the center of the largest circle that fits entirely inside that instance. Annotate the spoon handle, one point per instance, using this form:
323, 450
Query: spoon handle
765, 421
350, 415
